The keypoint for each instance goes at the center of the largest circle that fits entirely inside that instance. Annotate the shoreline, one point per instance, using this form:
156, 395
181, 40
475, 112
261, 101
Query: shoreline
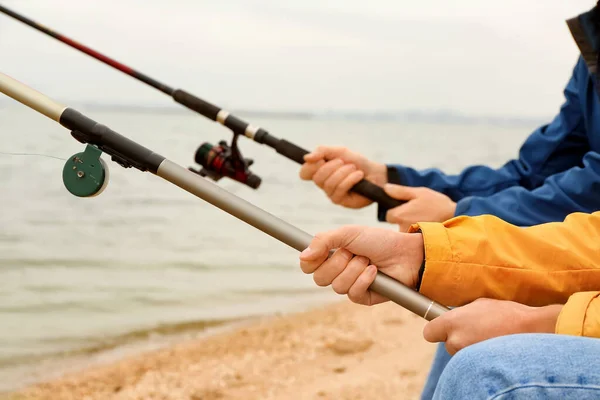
51, 369
20, 376
335, 351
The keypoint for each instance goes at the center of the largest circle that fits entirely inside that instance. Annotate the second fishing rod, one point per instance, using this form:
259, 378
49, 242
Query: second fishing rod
222, 160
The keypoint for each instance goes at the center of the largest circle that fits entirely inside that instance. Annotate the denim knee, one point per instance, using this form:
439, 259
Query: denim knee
465, 375
530, 365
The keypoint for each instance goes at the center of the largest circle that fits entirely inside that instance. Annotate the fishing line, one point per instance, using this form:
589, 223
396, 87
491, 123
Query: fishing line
31, 154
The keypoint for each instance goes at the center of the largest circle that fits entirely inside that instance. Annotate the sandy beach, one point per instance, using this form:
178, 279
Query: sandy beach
339, 351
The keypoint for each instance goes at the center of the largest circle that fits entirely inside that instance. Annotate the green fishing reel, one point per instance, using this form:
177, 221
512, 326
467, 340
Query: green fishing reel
86, 174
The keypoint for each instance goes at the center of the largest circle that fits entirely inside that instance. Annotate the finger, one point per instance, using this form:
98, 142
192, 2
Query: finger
314, 255
344, 187
359, 291
328, 169
318, 250
437, 330
342, 283
332, 267
308, 170
326, 153
400, 192
397, 215
314, 157
331, 183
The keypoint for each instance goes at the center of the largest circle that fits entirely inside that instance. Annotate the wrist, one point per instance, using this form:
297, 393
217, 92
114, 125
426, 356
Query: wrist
451, 211
541, 319
413, 252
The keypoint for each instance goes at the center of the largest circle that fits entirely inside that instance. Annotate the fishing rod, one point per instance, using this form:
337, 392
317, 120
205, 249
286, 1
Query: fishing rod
85, 174
221, 160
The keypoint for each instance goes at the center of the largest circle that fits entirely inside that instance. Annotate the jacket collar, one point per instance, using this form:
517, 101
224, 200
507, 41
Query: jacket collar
585, 29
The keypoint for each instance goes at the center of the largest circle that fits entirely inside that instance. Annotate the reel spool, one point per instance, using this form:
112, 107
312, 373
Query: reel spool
86, 174
225, 161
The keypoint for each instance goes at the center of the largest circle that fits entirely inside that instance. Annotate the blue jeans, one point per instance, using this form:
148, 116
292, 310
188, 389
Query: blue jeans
525, 366
440, 360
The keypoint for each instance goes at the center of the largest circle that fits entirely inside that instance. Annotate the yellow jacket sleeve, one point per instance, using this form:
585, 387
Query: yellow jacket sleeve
472, 257
580, 316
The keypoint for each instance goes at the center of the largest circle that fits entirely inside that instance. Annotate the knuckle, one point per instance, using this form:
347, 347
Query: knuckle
353, 298
348, 169
344, 255
322, 174
320, 280
329, 190
339, 287
336, 198
320, 239
358, 298
454, 345
342, 189
305, 267
330, 187
337, 164
362, 260
344, 186
319, 179
356, 175
450, 348
338, 193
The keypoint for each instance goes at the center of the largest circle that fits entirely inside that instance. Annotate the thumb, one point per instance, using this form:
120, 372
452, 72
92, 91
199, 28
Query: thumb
359, 240
400, 192
326, 153
436, 330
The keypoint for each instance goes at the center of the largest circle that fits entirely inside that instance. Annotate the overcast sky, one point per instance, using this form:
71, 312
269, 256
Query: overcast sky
510, 57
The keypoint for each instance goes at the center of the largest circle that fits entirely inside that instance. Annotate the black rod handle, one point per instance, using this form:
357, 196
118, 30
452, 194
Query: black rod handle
194, 103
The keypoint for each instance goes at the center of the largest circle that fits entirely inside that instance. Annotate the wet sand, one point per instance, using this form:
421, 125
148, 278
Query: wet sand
339, 351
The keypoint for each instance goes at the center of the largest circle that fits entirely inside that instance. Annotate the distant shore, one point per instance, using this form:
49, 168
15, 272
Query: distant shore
415, 116
339, 351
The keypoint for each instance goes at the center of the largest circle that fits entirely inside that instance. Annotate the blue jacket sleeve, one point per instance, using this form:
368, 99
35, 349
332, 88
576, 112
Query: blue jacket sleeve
550, 149
575, 190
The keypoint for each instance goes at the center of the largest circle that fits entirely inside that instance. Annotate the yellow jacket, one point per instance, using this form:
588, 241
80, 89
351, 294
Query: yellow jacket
554, 263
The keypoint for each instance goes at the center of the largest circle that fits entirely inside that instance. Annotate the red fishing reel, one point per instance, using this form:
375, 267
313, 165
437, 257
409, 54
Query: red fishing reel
224, 160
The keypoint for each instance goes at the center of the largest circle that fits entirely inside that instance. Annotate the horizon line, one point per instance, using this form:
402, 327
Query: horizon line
438, 115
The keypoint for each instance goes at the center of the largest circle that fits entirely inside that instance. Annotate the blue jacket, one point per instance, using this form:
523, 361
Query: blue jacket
557, 172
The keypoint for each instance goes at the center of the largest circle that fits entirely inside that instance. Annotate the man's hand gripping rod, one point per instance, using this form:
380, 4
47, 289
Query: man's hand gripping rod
131, 154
